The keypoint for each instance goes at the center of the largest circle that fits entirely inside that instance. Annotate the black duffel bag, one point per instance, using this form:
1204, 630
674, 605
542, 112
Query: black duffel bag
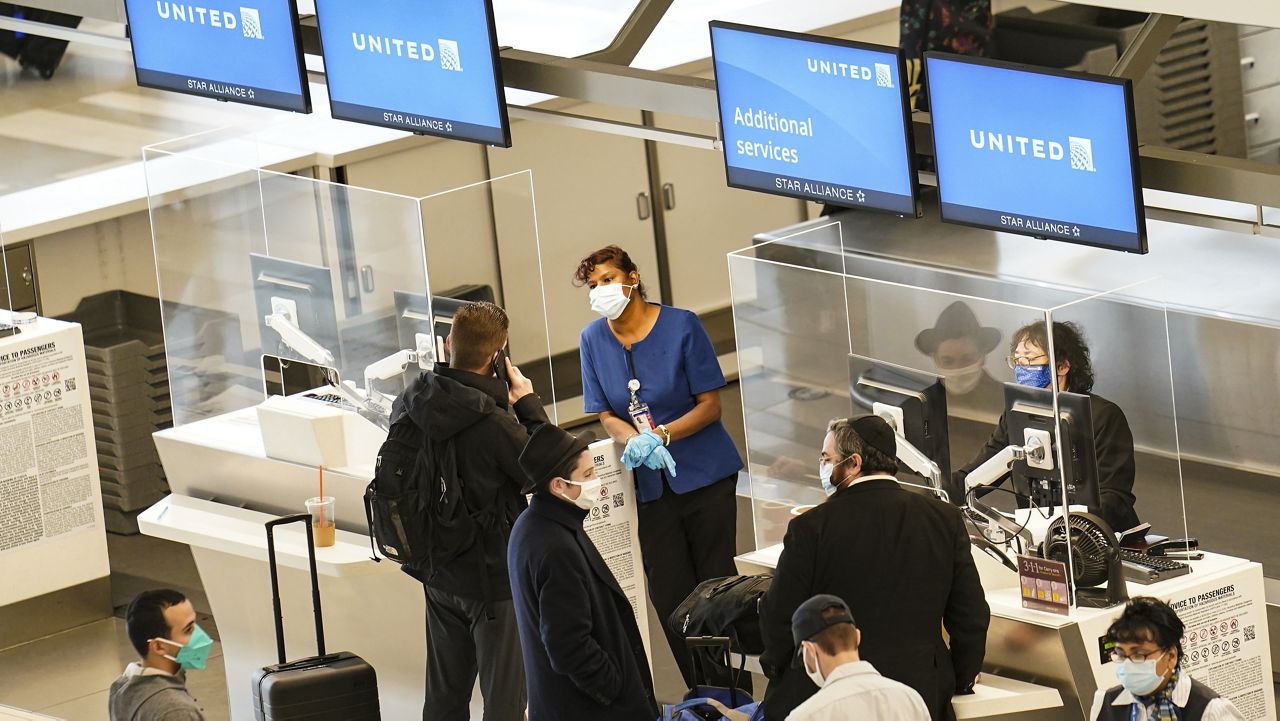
728, 606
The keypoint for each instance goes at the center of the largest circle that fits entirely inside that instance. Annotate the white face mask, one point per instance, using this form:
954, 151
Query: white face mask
962, 380
610, 300
814, 675
587, 498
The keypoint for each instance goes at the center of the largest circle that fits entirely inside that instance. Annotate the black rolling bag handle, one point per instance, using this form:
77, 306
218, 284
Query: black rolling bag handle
305, 519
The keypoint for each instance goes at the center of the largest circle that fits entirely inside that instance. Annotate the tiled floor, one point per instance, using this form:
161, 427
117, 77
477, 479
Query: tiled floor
67, 675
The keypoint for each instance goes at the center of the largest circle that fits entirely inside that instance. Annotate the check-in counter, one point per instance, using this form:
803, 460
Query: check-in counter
1042, 665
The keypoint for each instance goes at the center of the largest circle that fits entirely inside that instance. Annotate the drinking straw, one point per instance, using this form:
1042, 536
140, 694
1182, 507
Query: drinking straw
322, 496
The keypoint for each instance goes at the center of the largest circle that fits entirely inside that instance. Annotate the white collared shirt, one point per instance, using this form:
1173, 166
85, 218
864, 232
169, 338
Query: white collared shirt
858, 691
1219, 709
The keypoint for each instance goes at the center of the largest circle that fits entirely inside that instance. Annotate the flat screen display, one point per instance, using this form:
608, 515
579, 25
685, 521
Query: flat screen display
814, 118
425, 67
1047, 153
243, 51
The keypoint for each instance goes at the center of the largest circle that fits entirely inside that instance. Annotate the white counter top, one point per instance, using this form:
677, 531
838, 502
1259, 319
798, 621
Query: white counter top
240, 532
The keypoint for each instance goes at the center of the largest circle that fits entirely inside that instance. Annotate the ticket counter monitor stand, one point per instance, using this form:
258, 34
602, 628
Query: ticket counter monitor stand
822, 327
258, 271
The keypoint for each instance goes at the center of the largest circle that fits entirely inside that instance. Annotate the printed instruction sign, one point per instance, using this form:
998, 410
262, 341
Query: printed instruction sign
47, 480
613, 525
1044, 585
1225, 646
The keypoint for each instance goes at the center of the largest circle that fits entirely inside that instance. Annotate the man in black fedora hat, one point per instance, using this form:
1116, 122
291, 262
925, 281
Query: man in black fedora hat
583, 654
959, 346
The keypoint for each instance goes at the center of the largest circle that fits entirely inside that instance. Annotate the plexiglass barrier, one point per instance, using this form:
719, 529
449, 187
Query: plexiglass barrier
826, 333
256, 265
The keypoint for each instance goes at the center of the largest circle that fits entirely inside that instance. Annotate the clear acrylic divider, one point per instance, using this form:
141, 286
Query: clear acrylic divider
1134, 404
495, 214
253, 263
825, 332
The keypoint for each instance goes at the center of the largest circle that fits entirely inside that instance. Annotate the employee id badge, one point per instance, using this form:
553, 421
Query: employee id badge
641, 418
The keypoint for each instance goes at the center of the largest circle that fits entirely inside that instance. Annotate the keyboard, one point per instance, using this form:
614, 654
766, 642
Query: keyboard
1144, 569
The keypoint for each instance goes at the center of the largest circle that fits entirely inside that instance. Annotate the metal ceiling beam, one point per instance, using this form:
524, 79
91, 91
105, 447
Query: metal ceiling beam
633, 34
601, 82
1146, 45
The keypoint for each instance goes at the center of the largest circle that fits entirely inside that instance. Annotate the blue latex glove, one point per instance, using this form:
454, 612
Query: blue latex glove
639, 448
660, 459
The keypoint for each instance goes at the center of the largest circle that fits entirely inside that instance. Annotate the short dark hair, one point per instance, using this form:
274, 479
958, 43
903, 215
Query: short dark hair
837, 639
479, 330
1148, 619
849, 443
608, 255
1068, 346
144, 619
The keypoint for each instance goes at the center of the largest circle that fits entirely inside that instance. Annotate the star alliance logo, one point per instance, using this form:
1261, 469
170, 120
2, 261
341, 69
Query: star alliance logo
449, 57
251, 24
1081, 153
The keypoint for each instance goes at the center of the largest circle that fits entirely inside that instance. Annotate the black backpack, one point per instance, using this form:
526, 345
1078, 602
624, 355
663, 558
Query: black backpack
414, 505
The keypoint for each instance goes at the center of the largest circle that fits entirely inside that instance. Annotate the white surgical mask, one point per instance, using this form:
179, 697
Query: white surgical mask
962, 380
1139, 679
610, 300
587, 498
826, 469
814, 675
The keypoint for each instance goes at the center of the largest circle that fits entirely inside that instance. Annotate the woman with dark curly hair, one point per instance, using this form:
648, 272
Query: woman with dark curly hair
651, 374
1112, 439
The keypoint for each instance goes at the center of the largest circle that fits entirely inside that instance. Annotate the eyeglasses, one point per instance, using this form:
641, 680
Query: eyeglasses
1119, 657
1025, 360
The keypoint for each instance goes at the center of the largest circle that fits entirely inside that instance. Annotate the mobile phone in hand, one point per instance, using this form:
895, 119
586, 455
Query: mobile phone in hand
500, 367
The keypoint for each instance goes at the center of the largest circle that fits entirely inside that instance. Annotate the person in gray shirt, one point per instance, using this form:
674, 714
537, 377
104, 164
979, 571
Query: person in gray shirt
162, 628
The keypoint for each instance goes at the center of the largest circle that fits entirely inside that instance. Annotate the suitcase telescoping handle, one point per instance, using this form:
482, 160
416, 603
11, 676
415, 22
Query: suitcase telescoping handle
305, 519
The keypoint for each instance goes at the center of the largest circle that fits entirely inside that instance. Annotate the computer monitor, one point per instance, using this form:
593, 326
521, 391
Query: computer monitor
305, 291
814, 118
429, 68
1032, 408
922, 400
1047, 153
414, 314
221, 49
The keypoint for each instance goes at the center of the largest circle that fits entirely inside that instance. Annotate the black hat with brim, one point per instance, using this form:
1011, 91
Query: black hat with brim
546, 452
957, 321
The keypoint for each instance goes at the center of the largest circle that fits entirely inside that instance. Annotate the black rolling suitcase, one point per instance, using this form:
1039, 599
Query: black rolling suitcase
326, 687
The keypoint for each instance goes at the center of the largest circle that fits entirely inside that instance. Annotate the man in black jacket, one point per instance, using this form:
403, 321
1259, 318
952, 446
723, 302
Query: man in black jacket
1112, 439
583, 654
470, 617
902, 563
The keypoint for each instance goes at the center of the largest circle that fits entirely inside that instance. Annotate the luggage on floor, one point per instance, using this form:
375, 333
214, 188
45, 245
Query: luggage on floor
325, 687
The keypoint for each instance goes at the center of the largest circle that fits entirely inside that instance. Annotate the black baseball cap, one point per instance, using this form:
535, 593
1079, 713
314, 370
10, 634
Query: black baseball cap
808, 620
875, 432
546, 452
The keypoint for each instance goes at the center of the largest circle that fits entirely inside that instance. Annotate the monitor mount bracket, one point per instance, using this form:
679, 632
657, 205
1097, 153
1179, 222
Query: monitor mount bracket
908, 453
284, 321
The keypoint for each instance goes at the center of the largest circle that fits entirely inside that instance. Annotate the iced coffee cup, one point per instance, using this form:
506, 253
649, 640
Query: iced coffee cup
323, 526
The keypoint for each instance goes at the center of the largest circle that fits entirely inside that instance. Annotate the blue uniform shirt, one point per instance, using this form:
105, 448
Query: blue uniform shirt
674, 363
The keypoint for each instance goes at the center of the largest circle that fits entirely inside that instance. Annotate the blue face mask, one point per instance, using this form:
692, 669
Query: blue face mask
1139, 679
195, 654
1036, 376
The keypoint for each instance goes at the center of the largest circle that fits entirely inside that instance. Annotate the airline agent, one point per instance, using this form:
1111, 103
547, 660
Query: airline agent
658, 361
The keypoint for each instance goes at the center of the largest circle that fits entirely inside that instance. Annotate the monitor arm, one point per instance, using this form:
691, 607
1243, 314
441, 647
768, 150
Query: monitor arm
390, 367
1036, 451
284, 321
907, 452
